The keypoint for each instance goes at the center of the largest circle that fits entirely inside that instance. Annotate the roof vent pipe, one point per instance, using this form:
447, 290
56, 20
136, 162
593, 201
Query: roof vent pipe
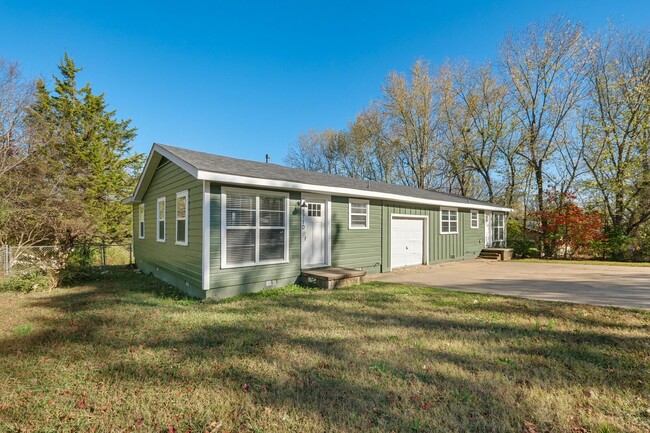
268, 158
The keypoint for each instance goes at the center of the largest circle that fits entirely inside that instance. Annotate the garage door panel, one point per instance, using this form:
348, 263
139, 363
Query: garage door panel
407, 239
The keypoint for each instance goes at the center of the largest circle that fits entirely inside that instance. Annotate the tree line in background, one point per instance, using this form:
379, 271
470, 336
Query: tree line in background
65, 164
557, 128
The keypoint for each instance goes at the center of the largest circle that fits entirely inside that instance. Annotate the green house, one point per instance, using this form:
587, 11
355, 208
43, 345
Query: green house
215, 226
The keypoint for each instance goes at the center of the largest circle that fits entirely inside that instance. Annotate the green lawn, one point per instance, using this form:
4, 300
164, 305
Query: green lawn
125, 354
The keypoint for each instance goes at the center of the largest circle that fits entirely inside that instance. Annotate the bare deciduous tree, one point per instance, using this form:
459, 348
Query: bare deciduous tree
545, 70
616, 129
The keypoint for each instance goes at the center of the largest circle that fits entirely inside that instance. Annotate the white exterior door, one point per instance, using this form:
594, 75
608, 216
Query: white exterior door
406, 242
488, 229
314, 234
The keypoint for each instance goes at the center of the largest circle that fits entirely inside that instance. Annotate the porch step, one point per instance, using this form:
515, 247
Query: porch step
331, 277
496, 254
489, 255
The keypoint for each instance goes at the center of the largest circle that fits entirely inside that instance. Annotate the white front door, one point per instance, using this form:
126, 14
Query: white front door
314, 233
488, 229
406, 242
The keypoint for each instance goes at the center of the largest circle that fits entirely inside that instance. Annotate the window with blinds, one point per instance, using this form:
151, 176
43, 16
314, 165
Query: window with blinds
448, 221
255, 229
359, 214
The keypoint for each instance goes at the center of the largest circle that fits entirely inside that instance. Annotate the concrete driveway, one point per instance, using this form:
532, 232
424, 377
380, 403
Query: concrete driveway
621, 286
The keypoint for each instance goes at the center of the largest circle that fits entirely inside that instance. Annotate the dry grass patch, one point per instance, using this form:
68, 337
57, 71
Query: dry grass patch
128, 354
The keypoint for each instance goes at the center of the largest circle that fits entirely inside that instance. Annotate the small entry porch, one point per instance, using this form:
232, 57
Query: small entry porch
331, 277
503, 254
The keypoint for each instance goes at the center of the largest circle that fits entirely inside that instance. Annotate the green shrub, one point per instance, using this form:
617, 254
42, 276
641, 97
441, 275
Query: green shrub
521, 245
78, 266
31, 282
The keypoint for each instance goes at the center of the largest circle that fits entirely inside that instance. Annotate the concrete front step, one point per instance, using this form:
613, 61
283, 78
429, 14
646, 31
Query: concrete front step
496, 254
331, 277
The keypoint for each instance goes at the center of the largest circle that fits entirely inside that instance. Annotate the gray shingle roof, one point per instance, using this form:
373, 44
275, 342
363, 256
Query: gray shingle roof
241, 167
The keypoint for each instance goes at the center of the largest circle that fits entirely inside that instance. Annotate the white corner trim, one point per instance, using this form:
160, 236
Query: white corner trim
205, 247
328, 190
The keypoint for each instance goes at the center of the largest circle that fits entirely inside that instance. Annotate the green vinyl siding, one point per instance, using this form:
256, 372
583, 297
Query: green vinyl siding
473, 239
233, 281
176, 264
466, 244
357, 248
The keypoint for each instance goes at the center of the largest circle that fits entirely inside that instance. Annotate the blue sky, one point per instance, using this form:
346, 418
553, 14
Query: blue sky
246, 78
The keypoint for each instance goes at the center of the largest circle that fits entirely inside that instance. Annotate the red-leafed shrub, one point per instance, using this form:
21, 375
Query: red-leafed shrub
569, 228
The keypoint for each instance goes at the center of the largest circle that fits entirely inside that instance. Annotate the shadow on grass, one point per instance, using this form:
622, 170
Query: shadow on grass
116, 315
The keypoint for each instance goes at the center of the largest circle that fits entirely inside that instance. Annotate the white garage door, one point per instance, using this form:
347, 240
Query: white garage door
406, 240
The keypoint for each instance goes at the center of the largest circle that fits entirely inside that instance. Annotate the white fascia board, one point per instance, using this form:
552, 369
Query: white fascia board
170, 156
349, 192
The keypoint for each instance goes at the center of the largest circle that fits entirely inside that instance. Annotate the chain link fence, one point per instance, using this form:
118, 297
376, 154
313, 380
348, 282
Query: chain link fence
17, 260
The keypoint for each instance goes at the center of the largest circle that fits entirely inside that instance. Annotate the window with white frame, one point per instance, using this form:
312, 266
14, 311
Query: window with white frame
160, 217
255, 227
141, 221
448, 221
181, 218
498, 227
474, 219
359, 214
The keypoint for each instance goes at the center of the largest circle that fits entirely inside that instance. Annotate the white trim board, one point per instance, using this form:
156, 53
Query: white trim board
291, 185
332, 190
205, 247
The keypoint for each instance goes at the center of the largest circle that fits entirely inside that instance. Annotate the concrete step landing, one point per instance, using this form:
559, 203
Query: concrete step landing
504, 254
331, 277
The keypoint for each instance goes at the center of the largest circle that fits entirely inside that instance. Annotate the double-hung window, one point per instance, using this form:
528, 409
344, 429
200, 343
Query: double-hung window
473, 219
498, 227
141, 221
181, 218
359, 214
448, 221
255, 227
160, 217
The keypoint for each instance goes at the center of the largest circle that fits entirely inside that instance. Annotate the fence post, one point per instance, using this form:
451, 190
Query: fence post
9, 260
130, 254
103, 255
6, 260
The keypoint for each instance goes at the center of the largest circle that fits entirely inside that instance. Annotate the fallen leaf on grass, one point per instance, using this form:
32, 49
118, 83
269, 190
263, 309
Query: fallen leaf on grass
245, 387
214, 427
529, 427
